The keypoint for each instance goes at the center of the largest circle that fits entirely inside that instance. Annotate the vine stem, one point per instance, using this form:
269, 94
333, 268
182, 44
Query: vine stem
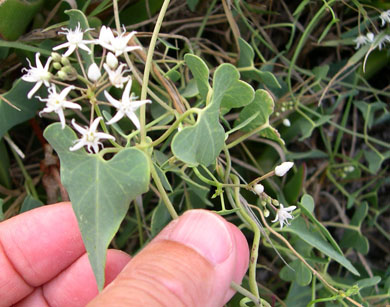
148, 65
161, 189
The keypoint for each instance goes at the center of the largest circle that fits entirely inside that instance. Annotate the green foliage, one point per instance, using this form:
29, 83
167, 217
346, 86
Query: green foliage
202, 142
100, 191
227, 108
15, 15
19, 108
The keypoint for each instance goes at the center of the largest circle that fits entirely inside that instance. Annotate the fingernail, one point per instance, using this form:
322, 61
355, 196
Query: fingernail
204, 232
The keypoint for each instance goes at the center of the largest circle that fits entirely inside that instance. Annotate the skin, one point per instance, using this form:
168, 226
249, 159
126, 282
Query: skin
190, 263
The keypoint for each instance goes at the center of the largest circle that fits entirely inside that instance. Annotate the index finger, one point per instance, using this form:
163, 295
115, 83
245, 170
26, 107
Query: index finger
35, 247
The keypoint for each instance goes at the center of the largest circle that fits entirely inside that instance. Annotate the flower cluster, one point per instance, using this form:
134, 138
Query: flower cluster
369, 38
93, 81
282, 213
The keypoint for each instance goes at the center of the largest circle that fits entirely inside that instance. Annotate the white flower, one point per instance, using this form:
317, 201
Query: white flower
282, 215
127, 106
116, 76
385, 17
111, 60
116, 44
57, 103
39, 74
90, 137
382, 42
94, 72
258, 188
75, 40
286, 122
283, 168
360, 41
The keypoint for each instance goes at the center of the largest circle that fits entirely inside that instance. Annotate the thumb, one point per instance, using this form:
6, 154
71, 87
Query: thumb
190, 263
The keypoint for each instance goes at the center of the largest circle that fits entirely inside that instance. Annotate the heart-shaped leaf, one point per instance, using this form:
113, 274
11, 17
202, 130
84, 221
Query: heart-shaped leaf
100, 190
202, 142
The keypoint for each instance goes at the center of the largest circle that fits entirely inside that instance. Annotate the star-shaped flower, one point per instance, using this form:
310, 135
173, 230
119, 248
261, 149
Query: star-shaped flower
89, 136
360, 41
39, 74
127, 106
75, 40
116, 76
385, 17
117, 44
57, 103
282, 215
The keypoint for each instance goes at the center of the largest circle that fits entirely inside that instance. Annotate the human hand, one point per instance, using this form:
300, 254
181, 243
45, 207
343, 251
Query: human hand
190, 263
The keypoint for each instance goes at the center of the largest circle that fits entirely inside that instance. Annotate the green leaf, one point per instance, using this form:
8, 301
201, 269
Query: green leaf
353, 238
16, 15
30, 203
239, 95
375, 159
200, 72
251, 72
311, 236
202, 142
76, 17
192, 4
100, 190
17, 96
160, 218
5, 178
368, 282
22, 46
311, 154
140, 11
293, 187
301, 274
307, 207
307, 126
368, 110
263, 104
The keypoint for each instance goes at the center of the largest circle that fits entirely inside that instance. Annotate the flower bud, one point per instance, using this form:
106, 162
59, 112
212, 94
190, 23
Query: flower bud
94, 72
57, 65
65, 61
283, 168
56, 56
111, 60
286, 122
105, 34
266, 212
62, 75
258, 188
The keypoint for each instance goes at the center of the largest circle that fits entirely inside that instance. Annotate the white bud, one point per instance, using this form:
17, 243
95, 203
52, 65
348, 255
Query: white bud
370, 36
94, 72
258, 188
111, 60
286, 122
283, 168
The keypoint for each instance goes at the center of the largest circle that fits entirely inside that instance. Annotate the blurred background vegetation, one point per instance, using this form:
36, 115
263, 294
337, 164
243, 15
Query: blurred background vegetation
303, 53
